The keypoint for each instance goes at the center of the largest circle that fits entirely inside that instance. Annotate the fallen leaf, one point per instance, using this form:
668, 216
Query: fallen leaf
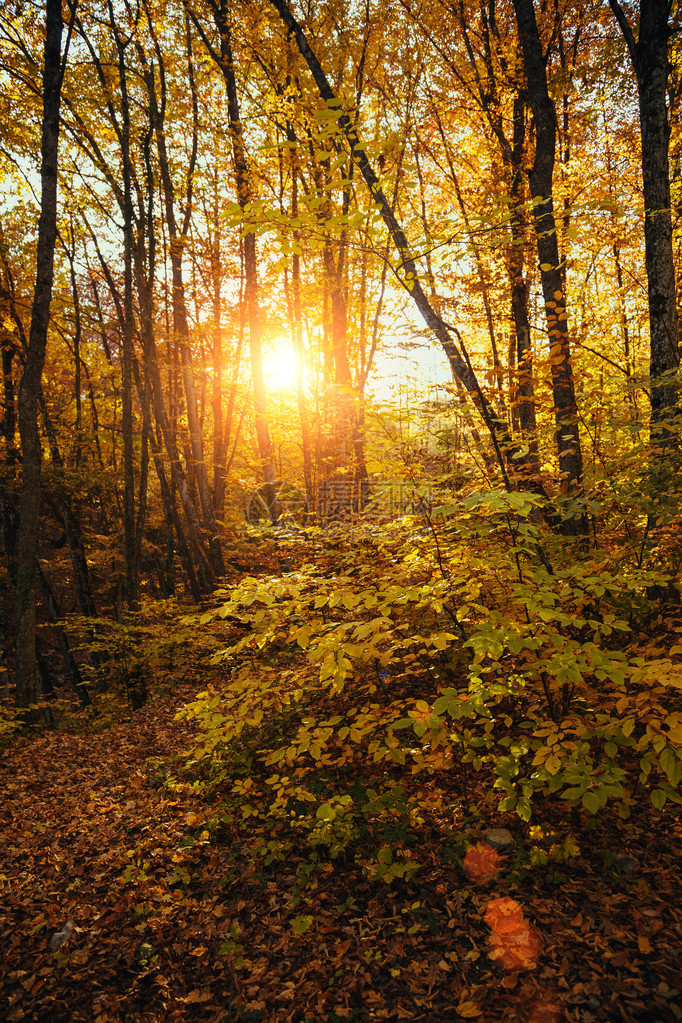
481, 862
516, 950
503, 915
468, 1010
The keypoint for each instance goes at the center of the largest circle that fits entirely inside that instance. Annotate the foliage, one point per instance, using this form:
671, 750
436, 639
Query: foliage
472, 645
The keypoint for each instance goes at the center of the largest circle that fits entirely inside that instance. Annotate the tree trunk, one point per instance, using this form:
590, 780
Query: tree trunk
177, 234
225, 61
541, 183
649, 55
129, 525
29, 503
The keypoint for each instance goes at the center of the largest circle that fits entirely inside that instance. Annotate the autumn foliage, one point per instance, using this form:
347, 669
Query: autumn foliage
340, 511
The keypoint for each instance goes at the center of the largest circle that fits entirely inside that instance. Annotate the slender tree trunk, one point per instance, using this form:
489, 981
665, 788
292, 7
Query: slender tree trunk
129, 525
296, 325
525, 389
217, 396
177, 235
541, 183
29, 503
225, 61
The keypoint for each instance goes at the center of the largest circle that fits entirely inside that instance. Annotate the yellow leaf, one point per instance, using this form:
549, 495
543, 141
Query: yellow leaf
467, 1010
199, 950
644, 945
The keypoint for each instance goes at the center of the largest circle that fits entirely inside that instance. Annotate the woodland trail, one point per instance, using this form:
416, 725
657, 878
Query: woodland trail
88, 837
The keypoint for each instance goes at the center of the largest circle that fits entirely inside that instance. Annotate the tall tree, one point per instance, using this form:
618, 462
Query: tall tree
553, 288
224, 58
29, 389
648, 50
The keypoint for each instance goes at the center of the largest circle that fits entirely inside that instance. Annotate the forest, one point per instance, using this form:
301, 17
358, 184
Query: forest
340, 510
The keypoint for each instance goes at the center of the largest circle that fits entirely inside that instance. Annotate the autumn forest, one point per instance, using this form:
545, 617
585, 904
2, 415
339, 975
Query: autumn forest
340, 503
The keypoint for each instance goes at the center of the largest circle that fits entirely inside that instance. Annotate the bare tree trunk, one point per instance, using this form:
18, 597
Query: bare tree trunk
541, 183
128, 326
177, 236
296, 323
29, 503
525, 390
649, 55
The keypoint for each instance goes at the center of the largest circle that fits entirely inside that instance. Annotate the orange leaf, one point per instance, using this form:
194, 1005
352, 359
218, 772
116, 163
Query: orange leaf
544, 1012
517, 950
503, 915
481, 862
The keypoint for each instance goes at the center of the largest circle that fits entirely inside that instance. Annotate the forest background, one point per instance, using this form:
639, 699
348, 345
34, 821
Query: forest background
219, 221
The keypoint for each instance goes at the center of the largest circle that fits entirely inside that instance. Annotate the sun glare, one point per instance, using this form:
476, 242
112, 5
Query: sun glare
279, 367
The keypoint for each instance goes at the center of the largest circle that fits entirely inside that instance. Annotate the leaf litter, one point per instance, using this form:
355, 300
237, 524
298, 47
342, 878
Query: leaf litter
121, 901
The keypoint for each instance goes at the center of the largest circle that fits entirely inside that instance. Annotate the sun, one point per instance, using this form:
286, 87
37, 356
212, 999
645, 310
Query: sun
279, 366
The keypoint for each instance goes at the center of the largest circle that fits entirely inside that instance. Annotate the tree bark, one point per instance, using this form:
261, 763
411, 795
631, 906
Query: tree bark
541, 183
225, 61
29, 502
649, 54
177, 237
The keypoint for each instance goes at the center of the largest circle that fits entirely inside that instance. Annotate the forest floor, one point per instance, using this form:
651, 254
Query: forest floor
116, 906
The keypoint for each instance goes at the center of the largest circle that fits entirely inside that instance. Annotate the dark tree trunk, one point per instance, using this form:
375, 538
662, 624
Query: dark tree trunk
29, 503
541, 183
649, 55
525, 391
129, 525
177, 236
297, 325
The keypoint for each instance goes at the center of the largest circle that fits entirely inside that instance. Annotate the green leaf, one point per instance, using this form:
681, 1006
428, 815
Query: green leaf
670, 765
591, 802
326, 812
658, 798
301, 924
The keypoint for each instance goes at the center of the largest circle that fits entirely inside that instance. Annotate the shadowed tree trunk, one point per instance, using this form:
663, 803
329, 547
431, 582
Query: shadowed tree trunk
29, 389
541, 183
225, 61
649, 53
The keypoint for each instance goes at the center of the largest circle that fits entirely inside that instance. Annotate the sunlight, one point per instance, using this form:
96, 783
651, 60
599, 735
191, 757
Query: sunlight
279, 366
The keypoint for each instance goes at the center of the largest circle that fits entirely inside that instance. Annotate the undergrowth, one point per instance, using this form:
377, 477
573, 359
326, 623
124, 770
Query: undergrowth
365, 696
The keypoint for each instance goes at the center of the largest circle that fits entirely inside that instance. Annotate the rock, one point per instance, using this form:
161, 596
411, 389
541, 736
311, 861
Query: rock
59, 937
499, 838
626, 864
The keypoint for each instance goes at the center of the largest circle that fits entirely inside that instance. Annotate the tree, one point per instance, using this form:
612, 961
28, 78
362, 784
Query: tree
407, 271
29, 504
648, 50
553, 287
